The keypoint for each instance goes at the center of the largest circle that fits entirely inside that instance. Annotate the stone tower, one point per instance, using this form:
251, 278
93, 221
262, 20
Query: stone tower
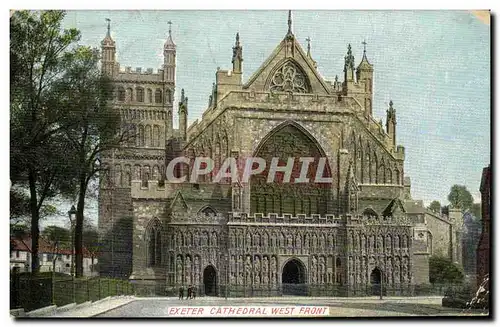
145, 101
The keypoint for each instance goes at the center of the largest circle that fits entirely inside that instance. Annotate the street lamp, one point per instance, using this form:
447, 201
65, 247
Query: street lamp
72, 218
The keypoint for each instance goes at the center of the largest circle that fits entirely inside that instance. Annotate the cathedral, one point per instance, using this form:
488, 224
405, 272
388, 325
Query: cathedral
359, 233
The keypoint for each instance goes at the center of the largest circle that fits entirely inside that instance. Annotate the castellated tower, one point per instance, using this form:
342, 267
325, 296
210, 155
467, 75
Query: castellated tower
145, 101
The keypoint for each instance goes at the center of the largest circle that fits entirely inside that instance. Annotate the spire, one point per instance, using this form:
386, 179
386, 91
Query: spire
237, 55
108, 41
364, 64
108, 34
289, 34
169, 44
349, 59
289, 22
308, 46
391, 113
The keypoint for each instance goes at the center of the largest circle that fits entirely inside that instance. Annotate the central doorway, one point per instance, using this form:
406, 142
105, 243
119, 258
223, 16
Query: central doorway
210, 281
375, 279
293, 278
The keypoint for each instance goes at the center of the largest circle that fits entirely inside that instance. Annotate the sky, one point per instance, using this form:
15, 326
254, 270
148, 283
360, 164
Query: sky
434, 66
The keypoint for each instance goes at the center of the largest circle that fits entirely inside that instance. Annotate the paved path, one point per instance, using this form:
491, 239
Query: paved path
340, 307
96, 308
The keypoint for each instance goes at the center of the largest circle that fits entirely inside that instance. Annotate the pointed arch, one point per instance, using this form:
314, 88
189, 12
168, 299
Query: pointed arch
381, 172
158, 96
367, 171
289, 140
207, 210
156, 136
139, 94
373, 167
153, 239
168, 96
121, 94
288, 76
360, 159
149, 94
148, 137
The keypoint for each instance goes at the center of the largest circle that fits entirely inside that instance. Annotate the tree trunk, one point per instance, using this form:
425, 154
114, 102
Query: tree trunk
79, 227
35, 217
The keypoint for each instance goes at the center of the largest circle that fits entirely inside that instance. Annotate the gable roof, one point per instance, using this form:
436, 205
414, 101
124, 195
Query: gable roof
279, 57
395, 206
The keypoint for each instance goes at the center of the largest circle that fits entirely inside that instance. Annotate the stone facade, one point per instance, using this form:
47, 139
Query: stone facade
343, 237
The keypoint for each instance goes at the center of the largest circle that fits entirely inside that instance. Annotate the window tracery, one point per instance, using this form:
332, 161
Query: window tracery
289, 78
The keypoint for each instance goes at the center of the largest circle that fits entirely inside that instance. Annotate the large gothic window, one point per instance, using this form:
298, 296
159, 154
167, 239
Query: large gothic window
153, 240
289, 78
283, 197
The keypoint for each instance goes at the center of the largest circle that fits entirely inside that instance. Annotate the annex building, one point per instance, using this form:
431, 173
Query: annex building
341, 238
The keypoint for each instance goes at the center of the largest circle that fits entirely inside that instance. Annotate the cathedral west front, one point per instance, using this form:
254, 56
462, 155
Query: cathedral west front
357, 231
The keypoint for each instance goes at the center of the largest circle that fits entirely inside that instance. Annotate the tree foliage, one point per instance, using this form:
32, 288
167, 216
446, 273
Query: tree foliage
55, 234
38, 46
443, 271
460, 197
476, 210
435, 206
94, 128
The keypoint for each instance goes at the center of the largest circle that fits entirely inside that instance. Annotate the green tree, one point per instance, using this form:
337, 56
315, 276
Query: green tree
443, 271
476, 210
38, 45
435, 206
460, 197
57, 234
96, 128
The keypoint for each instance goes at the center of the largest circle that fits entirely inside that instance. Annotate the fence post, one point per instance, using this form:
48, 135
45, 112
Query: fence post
73, 287
99, 288
88, 290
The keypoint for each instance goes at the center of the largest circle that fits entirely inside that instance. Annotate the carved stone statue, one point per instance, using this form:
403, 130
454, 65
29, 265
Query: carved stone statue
241, 278
179, 270
256, 278
249, 241
314, 270
233, 243
289, 240
265, 265
265, 278
188, 269
322, 270
282, 240
232, 279
298, 242
315, 241
256, 264
380, 243
265, 241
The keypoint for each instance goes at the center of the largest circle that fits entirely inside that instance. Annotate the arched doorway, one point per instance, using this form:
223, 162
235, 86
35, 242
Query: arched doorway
375, 281
293, 278
210, 281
